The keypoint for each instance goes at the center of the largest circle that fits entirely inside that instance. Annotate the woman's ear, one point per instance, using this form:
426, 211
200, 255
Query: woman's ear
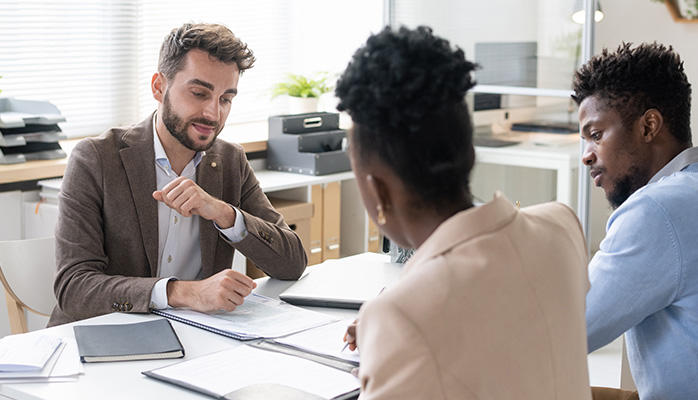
653, 120
379, 192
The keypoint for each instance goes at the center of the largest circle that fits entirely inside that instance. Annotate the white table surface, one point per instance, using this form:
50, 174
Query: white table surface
123, 380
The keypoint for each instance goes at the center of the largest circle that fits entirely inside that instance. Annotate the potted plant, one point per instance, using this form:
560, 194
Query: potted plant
303, 91
682, 9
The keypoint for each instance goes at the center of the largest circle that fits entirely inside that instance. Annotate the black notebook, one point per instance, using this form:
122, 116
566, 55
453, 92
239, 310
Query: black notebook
149, 340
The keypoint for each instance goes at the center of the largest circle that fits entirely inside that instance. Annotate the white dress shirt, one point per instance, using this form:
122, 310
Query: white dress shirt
179, 247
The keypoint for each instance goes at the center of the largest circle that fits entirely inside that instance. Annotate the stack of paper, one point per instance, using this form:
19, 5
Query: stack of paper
50, 189
26, 358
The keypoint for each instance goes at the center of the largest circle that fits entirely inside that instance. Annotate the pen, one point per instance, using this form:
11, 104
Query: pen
345, 347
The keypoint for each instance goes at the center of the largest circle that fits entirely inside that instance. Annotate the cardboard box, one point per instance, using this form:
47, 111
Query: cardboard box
297, 215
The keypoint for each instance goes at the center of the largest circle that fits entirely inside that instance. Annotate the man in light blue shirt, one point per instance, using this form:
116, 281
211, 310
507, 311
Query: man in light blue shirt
635, 119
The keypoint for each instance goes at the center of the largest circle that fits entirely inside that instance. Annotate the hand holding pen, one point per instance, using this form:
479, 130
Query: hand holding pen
350, 336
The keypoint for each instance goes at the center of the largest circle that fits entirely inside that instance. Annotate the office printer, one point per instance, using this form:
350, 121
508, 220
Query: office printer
310, 144
29, 131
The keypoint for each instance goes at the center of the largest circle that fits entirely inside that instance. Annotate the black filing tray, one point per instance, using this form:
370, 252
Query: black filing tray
310, 144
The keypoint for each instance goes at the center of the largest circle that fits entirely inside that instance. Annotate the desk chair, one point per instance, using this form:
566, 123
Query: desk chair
27, 268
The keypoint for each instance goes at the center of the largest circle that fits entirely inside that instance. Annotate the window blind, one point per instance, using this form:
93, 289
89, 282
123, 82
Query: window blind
76, 54
94, 59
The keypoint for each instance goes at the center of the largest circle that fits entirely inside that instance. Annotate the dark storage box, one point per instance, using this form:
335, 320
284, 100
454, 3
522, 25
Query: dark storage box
310, 144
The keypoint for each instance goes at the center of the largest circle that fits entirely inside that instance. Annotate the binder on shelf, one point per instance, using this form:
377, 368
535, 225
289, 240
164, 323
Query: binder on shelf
315, 247
331, 217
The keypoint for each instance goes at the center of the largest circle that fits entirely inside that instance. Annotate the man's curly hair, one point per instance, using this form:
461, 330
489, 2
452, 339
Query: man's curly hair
633, 80
405, 91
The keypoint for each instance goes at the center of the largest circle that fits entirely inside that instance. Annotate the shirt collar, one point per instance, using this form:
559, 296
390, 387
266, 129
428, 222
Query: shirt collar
161, 159
681, 161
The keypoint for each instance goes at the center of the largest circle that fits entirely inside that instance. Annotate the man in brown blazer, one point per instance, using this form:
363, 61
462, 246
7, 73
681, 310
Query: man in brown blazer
150, 215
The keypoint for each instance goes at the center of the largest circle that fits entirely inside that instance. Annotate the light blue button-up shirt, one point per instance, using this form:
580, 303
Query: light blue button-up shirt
644, 282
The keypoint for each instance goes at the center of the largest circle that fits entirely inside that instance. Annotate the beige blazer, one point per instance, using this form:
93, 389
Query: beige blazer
491, 306
107, 230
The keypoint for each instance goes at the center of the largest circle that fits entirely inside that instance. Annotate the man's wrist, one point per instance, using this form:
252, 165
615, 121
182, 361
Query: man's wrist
226, 216
176, 293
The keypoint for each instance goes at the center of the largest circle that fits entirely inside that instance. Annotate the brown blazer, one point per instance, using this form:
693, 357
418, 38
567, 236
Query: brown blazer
107, 230
491, 306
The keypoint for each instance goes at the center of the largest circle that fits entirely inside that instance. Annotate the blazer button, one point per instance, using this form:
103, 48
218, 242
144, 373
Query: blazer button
128, 306
115, 306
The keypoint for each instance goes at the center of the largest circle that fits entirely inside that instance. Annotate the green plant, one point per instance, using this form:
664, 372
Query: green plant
303, 86
689, 9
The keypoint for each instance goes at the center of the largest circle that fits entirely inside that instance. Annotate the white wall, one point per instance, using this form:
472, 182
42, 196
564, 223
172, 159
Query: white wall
639, 21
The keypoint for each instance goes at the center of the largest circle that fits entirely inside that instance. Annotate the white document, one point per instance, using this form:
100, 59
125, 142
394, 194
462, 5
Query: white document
63, 366
226, 371
325, 339
26, 352
258, 317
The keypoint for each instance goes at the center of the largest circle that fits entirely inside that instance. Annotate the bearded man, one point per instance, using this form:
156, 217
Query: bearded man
151, 214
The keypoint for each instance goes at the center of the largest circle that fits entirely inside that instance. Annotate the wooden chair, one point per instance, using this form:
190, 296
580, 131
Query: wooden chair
27, 269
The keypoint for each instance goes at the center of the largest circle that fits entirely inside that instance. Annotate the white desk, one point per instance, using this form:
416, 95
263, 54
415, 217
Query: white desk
123, 380
564, 159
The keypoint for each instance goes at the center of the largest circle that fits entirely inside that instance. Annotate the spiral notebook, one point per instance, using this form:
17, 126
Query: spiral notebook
259, 317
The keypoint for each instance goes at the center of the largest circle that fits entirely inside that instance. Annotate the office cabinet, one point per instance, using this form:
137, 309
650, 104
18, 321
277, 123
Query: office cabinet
325, 224
374, 237
331, 214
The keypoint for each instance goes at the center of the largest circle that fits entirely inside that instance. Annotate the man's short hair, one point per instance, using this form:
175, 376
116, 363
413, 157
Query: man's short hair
217, 40
633, 80
404, 90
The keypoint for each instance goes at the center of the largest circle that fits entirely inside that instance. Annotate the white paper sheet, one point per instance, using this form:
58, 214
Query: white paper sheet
26, 352
229, 370
326, 339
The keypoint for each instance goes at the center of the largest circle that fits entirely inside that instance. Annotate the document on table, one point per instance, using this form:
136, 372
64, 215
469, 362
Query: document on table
223, 373
26, 353
326, 340
258, 317
63, 366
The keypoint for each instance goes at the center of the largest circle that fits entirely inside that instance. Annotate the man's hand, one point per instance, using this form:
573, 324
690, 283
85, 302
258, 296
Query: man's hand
187, 198
224, 291
350, 336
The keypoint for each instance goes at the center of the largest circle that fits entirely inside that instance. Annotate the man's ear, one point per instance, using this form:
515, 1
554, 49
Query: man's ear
158, 84
653, 121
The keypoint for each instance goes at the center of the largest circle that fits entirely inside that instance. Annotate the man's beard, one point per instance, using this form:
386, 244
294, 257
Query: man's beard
178, 128
626, 185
